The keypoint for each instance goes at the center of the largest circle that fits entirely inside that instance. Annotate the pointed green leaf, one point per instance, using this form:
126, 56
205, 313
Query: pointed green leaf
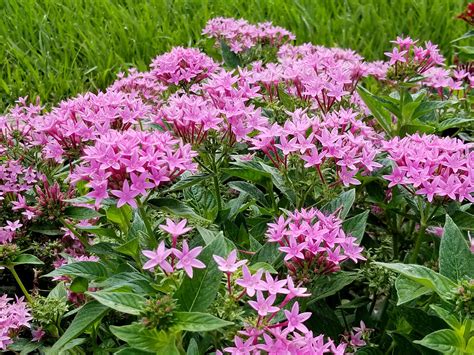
126, 302
198, 322
86, 316
455, 258
424, 276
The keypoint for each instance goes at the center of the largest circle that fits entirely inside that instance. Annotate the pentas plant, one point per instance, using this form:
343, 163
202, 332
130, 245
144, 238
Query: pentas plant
262, 204
313, 243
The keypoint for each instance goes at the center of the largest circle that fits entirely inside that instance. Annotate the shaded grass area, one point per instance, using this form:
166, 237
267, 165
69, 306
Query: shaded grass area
57, 49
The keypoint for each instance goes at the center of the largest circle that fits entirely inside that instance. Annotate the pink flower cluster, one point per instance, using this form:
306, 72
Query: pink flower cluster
432, 166
274, 330
338, 138
165, 257
219, 105
13, 317
15, 127
240, 35
446, 81
15, 181
143, 84
313, 241
320, 76
417, 58
183, 66
131, 163
64, 132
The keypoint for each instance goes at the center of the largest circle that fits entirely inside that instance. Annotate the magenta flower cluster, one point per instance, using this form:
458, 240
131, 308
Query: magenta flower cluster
240, 35
432, 166
144, 84
75, 123
220, 105
183, 66
338, 138
15, 181
131, 163
320, 76
407, 54
313, 241
13, 317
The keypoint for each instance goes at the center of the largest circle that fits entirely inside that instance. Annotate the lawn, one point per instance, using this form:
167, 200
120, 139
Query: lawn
56, 49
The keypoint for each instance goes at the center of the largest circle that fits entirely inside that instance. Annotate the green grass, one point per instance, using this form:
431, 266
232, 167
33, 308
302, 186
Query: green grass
57, 48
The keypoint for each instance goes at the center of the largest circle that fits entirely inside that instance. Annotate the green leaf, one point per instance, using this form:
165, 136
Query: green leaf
81, 213
408, 290
188, 181
198, 293
208, 236
448, 317
256, 177
97, 230
87, 315
79, 285
26, 259
126, 302
380, 113
175, 207
59, 291
198, 322
456, 122
46, 229
132, 351
464, 220
342, 203
327, 285
264, 266
129, 248
465, 49
230, 58
355, 226
268, 253
280, 182
445, 341
455, 258
88, 269
120, 216
139, 337
424, 276
468, 34
250, 189
193, 348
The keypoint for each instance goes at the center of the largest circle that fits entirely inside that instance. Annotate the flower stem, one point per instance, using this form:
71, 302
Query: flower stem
421, 231
18, 281
142, 212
